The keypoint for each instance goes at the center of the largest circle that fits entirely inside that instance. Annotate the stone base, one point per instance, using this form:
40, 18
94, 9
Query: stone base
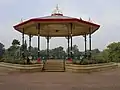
90, 68
52, 66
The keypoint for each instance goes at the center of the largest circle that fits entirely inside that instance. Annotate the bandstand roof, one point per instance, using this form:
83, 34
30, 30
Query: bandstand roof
56, 25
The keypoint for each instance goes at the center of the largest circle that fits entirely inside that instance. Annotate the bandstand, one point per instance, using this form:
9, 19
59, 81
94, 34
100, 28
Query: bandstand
57, 25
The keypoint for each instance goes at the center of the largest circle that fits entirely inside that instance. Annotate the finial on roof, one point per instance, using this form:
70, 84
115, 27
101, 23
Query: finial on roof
57, 11
80, 18
57, 8
90, 20
21, 20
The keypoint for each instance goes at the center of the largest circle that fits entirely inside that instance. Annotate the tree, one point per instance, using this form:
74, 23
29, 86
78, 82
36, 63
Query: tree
34, 52
1, 49
105, 54
95, 51
114, 51
58, 52
24, 49
13, 51
75, 51
111, 53
15, 42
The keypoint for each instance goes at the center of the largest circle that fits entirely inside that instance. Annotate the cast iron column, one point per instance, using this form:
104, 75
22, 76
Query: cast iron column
71, 40
47, 47
23, 43
30, 44
90, 41
68, 46
38, 26
85, 37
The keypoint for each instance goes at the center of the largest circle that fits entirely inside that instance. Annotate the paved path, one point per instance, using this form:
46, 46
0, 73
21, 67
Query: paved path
105, 80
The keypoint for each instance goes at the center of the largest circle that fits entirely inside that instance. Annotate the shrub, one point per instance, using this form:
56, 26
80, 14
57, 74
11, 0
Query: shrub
74, 62
2, 59
84, 62
92, 61
14, 61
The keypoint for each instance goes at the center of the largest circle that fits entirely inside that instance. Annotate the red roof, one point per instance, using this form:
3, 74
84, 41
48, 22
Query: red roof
56, 18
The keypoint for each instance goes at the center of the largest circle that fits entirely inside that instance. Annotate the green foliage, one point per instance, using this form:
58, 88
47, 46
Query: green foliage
13, 51
34, 52
58, 52
75, 51
14, 61
15, 42
111, 54
114, 51
1, 59
2, 50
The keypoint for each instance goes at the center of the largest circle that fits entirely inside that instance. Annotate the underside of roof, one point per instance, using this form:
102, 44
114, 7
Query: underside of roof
56, 26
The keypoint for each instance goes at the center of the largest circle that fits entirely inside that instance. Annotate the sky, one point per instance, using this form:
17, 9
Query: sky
103, 12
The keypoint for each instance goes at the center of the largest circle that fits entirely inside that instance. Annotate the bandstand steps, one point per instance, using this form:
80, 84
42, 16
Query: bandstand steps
54, 70
54, 66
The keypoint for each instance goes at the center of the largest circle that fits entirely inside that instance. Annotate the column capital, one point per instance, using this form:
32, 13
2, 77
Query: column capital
48, 37
68, 37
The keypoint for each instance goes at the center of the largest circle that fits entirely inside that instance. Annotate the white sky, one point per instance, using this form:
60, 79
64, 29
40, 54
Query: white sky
104, 12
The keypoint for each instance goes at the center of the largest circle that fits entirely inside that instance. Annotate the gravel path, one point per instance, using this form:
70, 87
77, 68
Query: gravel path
105, 80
